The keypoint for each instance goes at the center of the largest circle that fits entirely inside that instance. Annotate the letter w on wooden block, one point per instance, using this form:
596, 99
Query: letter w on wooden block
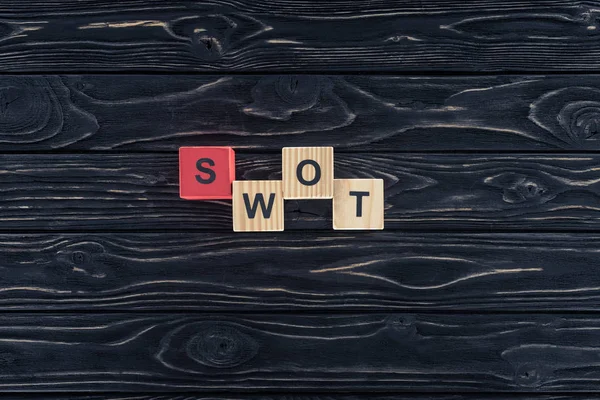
257, 206
358, 204
307, 172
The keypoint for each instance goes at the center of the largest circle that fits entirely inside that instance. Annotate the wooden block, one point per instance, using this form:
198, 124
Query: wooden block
257, 206
358, 204
307, 172
206, 173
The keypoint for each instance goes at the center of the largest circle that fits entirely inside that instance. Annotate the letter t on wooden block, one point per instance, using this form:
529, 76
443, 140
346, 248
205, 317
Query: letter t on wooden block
257, 206
358, 204
307, 172
206, 173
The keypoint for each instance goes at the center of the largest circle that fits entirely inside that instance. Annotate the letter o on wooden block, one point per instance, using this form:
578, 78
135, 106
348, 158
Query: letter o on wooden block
307, 172
358, 204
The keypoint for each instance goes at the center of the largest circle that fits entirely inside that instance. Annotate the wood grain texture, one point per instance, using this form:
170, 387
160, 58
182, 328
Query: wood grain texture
358, 204
391, 113
257, 206
446, 192
300, 271
248, 35
374, 352
307, 172
297, 396
126, 291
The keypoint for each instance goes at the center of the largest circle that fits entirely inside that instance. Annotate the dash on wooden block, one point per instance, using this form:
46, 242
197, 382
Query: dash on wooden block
358, 204
307, 172
257, 206
206, 173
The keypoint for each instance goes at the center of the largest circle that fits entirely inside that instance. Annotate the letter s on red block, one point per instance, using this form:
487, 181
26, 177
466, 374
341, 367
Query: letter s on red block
206, 173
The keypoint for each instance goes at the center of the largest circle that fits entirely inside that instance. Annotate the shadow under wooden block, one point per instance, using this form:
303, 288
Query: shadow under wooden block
307, 214
257, 206
358, 204
307, 172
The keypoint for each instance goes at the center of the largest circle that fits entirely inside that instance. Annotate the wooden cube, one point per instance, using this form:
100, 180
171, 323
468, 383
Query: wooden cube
307, 172
358, 204
257, 206
206, 173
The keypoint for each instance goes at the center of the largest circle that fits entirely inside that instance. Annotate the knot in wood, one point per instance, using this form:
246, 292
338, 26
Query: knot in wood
529, 374
209, 35
581, 119
78, 257
278, 98
298, 90
39, 109
222, 346
570, 114
401, 326
26, 106
400, 322
207, 46
518, 188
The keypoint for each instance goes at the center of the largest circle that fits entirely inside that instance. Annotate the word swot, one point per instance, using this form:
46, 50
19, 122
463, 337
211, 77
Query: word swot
208, 173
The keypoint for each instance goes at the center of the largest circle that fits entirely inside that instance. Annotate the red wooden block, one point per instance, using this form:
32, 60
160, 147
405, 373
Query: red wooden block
206, 173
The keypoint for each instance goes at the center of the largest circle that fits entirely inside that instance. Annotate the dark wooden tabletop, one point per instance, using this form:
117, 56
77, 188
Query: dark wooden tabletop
481, 116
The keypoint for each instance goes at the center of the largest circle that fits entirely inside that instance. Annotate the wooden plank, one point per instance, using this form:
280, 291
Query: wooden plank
413, 35
297, 396
445, 192
227, 352
391, 113
300, 271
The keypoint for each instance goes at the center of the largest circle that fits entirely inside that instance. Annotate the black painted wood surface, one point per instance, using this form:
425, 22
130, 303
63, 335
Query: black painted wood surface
297, 396
300, 272
301, 352
482, 117
427, 191
357, 113
308, 35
